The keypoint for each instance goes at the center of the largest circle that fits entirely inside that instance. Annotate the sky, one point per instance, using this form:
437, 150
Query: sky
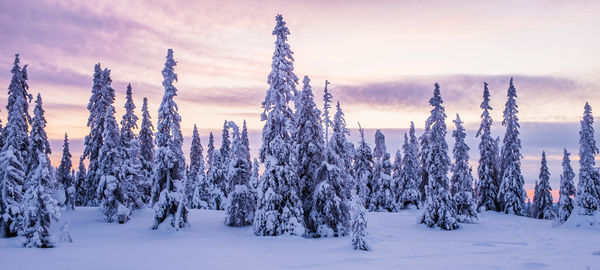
381, 57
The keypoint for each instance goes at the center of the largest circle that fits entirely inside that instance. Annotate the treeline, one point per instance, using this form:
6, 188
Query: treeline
315, 182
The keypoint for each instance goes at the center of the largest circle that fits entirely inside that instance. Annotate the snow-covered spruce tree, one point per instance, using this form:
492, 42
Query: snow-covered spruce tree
410, 172
146, 140
217, 177
199, 196
80, 191
111, 193
343, 148
310, 145
13, 158
587, 199
225, 141
567, 189
397, 177
359, 225
64, 176
134, 182
279, 209
543, 202
38, 140
103, 95
255, 177
241, 202
383, 196
210, 151
462, 180
194, 167
39, 207
532, 208
218, 163
511, 194
246, 140
424, 145
129, 121
487, 186
440, 210
225, 156
329, 212
327, 99
363, 169
168, 176
529, 206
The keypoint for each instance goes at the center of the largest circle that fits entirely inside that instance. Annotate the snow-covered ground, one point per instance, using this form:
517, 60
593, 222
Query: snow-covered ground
498, 241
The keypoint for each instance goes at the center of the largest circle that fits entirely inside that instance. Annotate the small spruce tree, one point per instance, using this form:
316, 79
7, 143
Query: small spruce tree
198, 186
383, 198
39, 207
410, 171
542, 202
80, 184
113, 199
241, 201
567, 189
363, 169
65, 178
462, 180
359, 225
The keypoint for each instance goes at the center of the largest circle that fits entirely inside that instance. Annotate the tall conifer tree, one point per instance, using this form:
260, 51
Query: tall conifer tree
39, 207
587, 199
168, 176
13, 158
135, 181
511, 194
146, 139
439, 206
343, 148
103, 95
310, 145
487, 186
280, 209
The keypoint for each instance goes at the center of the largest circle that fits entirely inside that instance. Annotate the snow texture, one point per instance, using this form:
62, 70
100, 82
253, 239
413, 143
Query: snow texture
497, 241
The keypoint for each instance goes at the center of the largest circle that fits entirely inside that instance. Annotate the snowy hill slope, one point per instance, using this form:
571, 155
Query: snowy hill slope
498, 242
